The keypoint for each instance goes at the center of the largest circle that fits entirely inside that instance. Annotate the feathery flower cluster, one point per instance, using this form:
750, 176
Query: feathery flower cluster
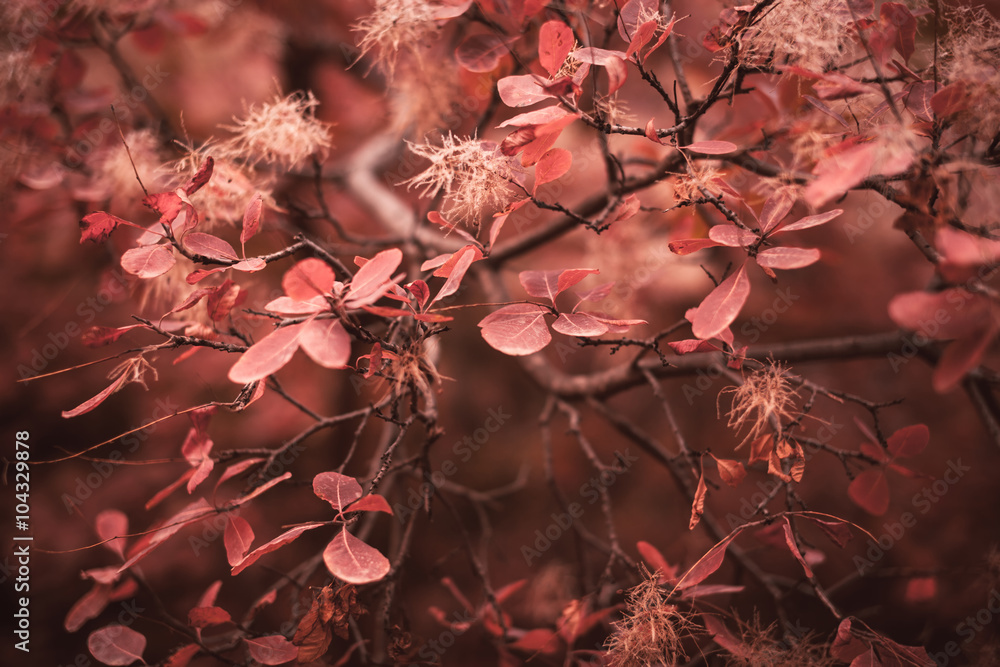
765, 395
283, 132
395, 25
474, 176
972, 55
651, 630
813, 34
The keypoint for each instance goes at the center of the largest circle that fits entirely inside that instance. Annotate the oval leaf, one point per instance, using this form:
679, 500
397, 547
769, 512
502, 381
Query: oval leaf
238, 538
870, 491
909, 441
787, 258
721, 307
210, 246
372, 280
251, 218
272, 650
517, 330
308, 278
326, 342
579, 324
712, 147
553, 164
336, 489
116, 645
555, 41
267, 356
353, 561
148, 261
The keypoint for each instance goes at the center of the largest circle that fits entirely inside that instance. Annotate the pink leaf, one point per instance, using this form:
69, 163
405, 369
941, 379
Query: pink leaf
457, 272
617, 74
732, 236
553, 164
550, 284
787, 258
210, 246
810, 221
284, 305
267, 356
351, 560
555, 41
722, 305
92, 403
251, 218
642, 35
238, 538
326, 342
579, 324
624, 210
201, 177
596, 56
87, 607
191, 513
692, 345
712, 147
537, 117
116, 645
148, 261
522, 90
336, 489
909, 441
308, 278
207, 616
110, 524
870, 491
286, 537
776, 208
373, 279
250, 265
272, 650
518, 329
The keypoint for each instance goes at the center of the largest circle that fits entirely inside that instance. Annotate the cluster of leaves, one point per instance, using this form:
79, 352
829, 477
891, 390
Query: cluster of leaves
876, 113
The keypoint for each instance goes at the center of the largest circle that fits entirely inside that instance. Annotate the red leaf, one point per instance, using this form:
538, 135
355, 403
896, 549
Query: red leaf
372, 280
712, 147
92, 403
538, 117
651, 132
838, 531
191, 513
98, 336
776, 208
909, 441
87, 607
201, 177
726, 639
336, 489
267, 356
539, 640
549, 284
787, 258
793, 547
553, 164
286, 537
371, 503
656, 561
732, 236
642, 35
260, 489
688, 246
326, 343
522, 90
308, 278
284, 305
710, 562
617, 74
209, 246
518, 329
624, 210
870, 491
465, 258
692, 345
204, 617
351, 560
731, 472
698, 504
579, 324
148, 261
98, 226
182, 656
109, 524
722, 305
222, 299
419, 289
480, 53
555, 41
116, 645
950, 99
238, 538
272, 650
810, 221
251, 218
250, 265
